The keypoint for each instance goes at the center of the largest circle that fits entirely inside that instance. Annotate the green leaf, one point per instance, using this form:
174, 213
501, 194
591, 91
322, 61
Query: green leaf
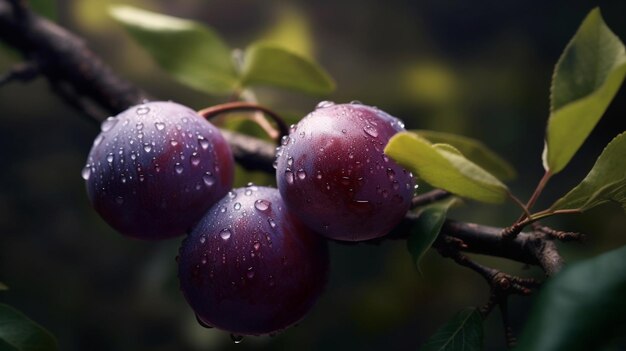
605, 182
426, 228
191, 52
291, 30
474, 150
580, 308
446, 169
3, 286
20, 333
464, 332
586, 78
272, 65
46, 8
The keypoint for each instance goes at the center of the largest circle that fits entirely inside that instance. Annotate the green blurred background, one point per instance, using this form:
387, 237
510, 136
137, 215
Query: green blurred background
479, 68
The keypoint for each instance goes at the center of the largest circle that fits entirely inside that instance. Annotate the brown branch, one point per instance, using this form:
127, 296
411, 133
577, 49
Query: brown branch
83, 80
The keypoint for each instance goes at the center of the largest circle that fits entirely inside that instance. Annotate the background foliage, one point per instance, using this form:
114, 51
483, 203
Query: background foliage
481, 69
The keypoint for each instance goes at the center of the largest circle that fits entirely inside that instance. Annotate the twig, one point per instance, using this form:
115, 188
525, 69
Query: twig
429, 197
24, 72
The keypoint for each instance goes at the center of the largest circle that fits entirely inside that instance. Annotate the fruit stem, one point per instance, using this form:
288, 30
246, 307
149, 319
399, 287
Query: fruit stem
213, 111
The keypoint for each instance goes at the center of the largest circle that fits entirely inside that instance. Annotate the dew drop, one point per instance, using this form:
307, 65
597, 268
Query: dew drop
225, 234
178, 168
289, 161
202, 323
248, 192
344, 131
271, 222
204, 144
284, 140
173, 142
324, 104
356, 102
232, 195
237, 206
202, 239
108, 124
391, 174
194, 159
159, 126
370, 130
289, 176
292, 128
208, 179
301, 174
261, 205
250, 273
86, 172
133, 156
302, 134
147, 147
256, 246
223, 209
139, 126
142, 110
237, 339
119, 200
110, 158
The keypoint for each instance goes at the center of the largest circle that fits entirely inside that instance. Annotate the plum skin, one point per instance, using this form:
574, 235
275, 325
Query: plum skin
250, 267
156, 168
332, 172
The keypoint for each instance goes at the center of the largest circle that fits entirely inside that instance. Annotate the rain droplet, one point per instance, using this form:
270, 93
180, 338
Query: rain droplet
370, 130
324, 104
202, 239
271, 222
356, 102
194, 159
204, 144
256, 246
147, 147
248, 192
250, 273
289, 161
261, 205
344, 131
133, 156
302, 134
208, 179
237, 206
223, 209
225, 234
173, 142
284, 140
232, 195
139, 126
237, 339
159, 125
86, 172
119, 200
289, 176
391, 174
301, 174
142, 110
178, 168
110, 158
108, 124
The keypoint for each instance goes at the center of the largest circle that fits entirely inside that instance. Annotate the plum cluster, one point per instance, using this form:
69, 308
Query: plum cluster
255, 259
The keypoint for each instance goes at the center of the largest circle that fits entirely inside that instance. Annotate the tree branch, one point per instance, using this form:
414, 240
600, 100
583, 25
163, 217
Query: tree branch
82, 79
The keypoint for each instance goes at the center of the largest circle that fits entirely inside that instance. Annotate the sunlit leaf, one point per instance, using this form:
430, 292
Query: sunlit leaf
474, 150
464, 332
605, 182
291, 31
18, 332
582, 308
426, 228
268, 64
586, 78
446, 169
190, 51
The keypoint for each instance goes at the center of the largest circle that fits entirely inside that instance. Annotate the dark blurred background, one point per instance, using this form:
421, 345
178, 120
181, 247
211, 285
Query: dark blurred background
478, 68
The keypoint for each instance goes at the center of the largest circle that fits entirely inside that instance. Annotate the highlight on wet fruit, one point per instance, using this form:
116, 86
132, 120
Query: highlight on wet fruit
250, 267
155, 169
332, 172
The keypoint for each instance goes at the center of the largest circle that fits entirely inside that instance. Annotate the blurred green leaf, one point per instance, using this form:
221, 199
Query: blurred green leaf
605, 182
291, 31
426, 228
581, 308
474, 150
22, 334
46, 8
3, 286
586, 78
464, 332
272, 65
190, 51
445, 169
